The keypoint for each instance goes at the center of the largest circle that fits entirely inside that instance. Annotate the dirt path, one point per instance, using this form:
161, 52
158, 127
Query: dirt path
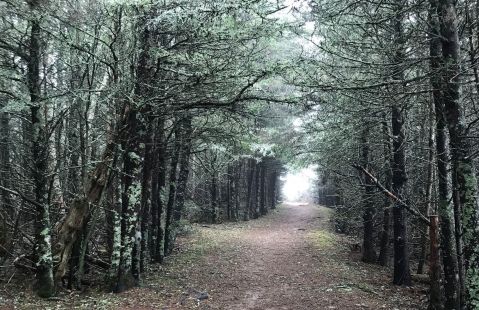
275, 268
288, 259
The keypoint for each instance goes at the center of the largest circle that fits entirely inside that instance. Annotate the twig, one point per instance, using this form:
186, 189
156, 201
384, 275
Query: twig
18, 194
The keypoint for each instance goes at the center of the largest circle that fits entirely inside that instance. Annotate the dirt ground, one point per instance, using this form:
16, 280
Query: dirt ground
289, 259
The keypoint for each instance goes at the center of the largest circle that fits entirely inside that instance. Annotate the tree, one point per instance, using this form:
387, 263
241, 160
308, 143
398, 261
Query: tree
445, 209
464, 177
369, 252
39, 144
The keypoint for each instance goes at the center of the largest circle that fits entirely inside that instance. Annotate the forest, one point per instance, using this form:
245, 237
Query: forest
145, 148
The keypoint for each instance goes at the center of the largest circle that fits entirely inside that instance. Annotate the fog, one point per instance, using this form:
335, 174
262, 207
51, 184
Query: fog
298, 185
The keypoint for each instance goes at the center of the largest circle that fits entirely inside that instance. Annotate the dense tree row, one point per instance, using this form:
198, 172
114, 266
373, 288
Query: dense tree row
393, 87
129, 114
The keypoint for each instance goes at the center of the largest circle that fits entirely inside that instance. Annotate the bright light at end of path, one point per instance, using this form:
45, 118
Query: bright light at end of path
298, 185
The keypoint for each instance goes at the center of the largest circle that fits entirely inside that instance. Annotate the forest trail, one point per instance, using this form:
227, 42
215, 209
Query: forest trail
288, 259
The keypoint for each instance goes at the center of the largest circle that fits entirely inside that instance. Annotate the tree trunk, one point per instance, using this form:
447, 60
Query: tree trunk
229, 192
128, 271
172, 190
146, 192
214, 196
7, 209
464, 176
110, 203
249, 200
369, 252
255, 204
5, 159
237, 189
183, 175
134, 195
435, 295
274, 177
158, 190
262, 192
74, 186
116, 238
402, 274
383, 258
428, 190
39, 143
145, 138
448, 249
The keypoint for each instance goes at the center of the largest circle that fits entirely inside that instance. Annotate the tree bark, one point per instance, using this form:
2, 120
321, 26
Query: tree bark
262, 191
256, 186
128, 271
384, 248
146, 192
158, 191
249, 183
445, 209
435, 294
274, 180
229, 192
237, 189
463, 175
428, 190
5, 159
183, 174
7, 241
369, 252
172, 189
39, 144
214, 196
402, 274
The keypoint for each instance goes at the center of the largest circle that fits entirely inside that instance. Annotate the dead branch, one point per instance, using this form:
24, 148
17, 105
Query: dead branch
389, 194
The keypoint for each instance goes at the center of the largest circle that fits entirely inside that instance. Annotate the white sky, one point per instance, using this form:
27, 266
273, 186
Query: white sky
298, 184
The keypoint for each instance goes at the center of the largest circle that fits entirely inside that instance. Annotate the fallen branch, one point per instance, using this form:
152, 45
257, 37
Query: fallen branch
395, 198
97, 262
